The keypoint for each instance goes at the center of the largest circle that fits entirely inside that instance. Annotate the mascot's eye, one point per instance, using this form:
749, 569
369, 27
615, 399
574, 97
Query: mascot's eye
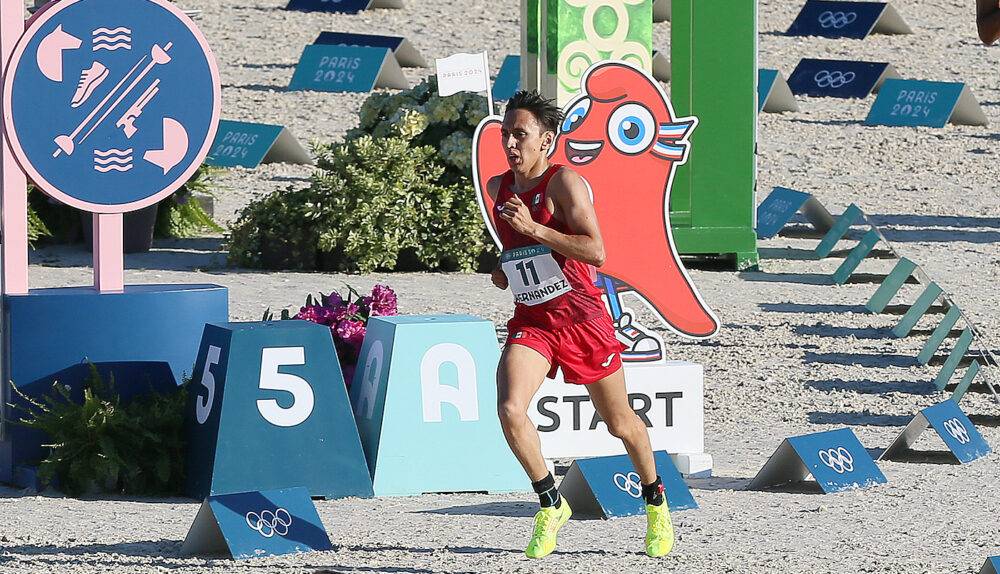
577, 113
631, 128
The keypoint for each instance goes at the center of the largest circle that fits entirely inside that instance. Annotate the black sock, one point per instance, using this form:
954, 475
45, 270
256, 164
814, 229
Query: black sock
653, 493
548, 494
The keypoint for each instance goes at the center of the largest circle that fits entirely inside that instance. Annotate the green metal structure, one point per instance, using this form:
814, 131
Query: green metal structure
713, 52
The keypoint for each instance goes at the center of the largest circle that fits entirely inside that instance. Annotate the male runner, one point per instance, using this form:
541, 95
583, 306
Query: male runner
552, 244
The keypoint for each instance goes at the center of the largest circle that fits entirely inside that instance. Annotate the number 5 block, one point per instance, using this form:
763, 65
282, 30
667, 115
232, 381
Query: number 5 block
267, 409
424, 397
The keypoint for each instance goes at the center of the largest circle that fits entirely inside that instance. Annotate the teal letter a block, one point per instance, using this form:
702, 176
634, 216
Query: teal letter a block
424, 398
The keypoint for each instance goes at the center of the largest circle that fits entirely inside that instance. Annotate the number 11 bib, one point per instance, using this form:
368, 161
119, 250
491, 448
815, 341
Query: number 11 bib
533, 274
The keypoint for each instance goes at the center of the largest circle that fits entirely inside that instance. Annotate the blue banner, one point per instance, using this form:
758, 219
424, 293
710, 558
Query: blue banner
347, 6
836, 19
957, 431
618, 490
765, 79
508, 80
367, 40
914, 103
777, 209
242, 144
326, 68
837, 460
835, 78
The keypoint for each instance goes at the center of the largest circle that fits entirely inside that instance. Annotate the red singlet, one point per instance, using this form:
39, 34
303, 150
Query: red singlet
580, 300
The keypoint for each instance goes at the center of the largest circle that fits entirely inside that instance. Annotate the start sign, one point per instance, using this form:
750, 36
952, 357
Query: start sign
111, 105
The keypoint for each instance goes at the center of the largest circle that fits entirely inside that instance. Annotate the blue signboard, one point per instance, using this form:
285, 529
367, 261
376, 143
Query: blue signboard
242, 143
915, 103
268, 408
992, 566
255, 524
836, 78
347, 6
425, 389
777, 209
508, 80
112, 104
957, 431
765, 79
326, 68
837, 460
609, 487
837, 19
369, 40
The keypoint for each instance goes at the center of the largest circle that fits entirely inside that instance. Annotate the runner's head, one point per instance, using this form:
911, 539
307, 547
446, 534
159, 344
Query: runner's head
529, 128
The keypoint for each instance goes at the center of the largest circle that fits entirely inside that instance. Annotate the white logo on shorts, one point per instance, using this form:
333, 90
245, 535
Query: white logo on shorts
608, 360
518, 335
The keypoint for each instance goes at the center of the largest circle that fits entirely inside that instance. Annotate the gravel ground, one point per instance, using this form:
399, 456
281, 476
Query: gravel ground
796, 355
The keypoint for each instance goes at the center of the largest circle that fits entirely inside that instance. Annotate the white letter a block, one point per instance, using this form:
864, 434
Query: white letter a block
424, 398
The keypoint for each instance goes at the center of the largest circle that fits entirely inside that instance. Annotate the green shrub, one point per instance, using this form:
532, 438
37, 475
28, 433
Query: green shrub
372, 204
423, 118
181, 215
178, 216
103, 445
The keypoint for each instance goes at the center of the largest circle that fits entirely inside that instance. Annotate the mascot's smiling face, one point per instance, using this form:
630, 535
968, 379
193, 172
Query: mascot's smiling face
621, 115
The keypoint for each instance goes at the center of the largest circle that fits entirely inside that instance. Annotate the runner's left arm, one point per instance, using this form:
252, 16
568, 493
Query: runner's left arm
573, 206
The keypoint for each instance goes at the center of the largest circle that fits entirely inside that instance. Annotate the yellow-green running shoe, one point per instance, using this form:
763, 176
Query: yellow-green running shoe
659, 530
548, 521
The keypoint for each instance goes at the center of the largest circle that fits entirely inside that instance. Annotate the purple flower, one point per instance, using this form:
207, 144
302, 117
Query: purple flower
316, 314
382, 301
344, 312
351, 332
333, 300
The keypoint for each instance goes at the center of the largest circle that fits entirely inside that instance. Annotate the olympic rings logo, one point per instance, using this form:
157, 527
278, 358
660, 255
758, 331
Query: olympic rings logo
835, 79
836, 20
957, 431
268, 523
629, 484
839, 459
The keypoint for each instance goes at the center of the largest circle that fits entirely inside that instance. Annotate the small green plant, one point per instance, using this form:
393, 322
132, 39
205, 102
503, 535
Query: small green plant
102, 445
181, 215
372, 204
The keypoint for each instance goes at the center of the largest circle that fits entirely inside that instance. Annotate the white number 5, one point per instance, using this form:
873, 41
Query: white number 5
271, 380
203, 406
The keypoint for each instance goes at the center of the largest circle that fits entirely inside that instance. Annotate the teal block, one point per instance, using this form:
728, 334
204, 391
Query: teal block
967, 378
939, 335
268, 409
837, 232
961, 347
917, 310
424, 398
893, 282
856, 256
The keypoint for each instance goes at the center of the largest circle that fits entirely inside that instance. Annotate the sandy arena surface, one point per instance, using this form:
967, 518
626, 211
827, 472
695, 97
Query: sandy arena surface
796, 355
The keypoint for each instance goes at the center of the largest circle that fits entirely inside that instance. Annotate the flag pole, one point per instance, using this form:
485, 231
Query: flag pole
489, 90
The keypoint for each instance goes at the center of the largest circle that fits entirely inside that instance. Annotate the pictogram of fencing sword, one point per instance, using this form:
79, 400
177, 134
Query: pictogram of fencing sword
159, 56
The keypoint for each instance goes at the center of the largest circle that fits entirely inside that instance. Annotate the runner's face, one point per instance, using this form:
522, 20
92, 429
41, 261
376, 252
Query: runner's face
525, 141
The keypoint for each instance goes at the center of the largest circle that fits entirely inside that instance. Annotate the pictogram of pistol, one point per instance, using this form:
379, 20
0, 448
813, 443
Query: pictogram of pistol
127, 121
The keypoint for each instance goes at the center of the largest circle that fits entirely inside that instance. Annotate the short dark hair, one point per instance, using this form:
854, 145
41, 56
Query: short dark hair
545, 111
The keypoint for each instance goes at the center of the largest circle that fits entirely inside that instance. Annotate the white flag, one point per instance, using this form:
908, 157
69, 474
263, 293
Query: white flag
463, 73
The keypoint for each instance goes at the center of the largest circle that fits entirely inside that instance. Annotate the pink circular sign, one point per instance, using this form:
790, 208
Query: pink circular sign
111, 105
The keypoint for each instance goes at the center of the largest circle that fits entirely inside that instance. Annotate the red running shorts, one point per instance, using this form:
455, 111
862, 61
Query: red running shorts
587, 352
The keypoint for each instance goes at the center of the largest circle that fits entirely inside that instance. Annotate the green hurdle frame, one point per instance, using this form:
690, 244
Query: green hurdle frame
856, 256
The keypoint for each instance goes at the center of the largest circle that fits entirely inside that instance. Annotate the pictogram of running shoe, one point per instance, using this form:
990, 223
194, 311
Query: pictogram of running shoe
641, 346
89, 80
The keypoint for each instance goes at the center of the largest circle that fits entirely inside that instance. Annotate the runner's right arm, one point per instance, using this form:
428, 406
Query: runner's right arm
498, 277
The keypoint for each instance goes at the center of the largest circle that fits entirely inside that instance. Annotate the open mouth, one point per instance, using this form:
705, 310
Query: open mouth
582, 153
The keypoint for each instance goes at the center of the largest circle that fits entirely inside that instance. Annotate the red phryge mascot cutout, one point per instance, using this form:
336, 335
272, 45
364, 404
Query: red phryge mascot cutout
622, 137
